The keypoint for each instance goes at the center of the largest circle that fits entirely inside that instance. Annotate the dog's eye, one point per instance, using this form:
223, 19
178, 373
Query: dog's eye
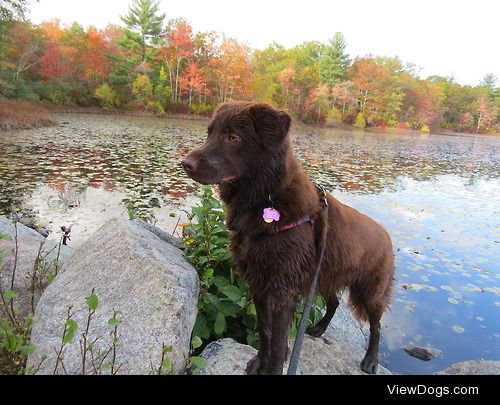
233, 138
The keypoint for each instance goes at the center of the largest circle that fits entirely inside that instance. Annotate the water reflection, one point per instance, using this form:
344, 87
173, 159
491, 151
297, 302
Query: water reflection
437, 195
447, 280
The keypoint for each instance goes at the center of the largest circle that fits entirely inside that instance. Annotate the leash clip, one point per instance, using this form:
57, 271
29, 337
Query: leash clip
322, 192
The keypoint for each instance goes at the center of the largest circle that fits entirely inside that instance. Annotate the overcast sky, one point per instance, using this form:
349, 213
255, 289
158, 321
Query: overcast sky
442, 37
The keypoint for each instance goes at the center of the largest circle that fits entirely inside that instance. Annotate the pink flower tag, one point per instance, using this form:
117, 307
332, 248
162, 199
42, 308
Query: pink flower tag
270, 215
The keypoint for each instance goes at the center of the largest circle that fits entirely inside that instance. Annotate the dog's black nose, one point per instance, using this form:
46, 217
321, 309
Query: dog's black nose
189, 164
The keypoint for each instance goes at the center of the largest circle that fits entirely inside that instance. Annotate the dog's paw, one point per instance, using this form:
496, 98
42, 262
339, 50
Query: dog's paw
316, 331
255, 366
369, 364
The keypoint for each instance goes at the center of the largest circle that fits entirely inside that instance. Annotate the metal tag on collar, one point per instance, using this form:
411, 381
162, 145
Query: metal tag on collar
271, 214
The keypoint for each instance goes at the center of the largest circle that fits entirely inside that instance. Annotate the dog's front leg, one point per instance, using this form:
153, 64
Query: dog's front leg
282, 320
258, 364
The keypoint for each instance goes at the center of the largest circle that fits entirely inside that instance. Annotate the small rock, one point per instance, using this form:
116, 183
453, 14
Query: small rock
422, 353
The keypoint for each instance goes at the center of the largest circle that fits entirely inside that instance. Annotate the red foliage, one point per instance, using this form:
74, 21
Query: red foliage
52, 63
192, 79
96, 65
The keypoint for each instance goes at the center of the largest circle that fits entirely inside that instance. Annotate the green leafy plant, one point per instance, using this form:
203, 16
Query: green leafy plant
93, 359
195, 363
224, 307
166, 366
15, 330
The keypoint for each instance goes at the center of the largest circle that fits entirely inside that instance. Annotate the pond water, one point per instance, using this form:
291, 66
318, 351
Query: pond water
438, 196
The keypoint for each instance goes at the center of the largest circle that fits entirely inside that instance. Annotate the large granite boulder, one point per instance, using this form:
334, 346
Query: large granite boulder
131, 270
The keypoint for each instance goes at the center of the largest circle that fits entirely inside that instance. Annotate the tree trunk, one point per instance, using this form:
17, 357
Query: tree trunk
365, 101
143, 45
177, 79
171, 82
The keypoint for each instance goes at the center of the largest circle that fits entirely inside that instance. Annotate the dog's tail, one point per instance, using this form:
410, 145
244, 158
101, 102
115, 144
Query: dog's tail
357, 304
372, 297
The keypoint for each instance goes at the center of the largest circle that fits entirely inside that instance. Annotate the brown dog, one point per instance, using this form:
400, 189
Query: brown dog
248, 153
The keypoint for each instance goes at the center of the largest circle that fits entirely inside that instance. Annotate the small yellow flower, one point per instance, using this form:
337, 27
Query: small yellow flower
184, 224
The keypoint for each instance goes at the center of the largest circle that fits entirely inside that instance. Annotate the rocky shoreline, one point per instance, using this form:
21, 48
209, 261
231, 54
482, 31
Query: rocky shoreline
135, 269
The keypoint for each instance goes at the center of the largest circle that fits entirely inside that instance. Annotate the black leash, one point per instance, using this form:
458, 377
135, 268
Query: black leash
297, 346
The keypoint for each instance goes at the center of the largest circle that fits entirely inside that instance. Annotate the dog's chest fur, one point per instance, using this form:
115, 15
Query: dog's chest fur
276, 263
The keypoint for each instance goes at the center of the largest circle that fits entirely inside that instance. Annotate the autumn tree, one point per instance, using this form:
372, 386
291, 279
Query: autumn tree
192, 81
54, 63
143, 90
206, 46
454, 100
230, 72
121, 61
177, 52
342, 95
144, 25
305, 58
287, 76
74, 47
96, 64
286, 80
26, 45
266, 65
485, 113
371, 80
317, 102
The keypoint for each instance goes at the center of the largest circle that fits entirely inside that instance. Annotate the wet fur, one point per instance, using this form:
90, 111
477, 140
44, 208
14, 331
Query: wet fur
278, 266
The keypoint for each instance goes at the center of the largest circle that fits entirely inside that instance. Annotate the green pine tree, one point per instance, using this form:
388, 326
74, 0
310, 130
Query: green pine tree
144, 25
334, 62
489, 84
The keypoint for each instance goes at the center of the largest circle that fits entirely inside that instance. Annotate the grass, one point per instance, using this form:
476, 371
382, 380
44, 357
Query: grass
15, 114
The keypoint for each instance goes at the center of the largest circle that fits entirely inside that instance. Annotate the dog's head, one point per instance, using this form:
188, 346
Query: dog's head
243, 139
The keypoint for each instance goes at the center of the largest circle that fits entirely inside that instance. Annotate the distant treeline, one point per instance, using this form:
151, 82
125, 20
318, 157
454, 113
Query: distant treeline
166, 67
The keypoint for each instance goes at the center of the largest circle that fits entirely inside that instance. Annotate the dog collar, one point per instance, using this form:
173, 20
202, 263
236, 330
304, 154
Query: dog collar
303, 220
273, 215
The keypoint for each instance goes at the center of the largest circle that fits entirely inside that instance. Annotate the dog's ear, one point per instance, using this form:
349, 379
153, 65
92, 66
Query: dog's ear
285, 121
270, 122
